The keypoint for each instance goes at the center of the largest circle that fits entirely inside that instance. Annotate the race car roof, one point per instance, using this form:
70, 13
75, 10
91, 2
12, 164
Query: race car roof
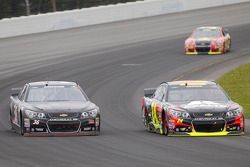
208, 28
52, 83
191, 83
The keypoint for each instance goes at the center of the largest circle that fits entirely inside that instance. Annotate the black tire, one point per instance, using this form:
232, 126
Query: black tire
230, 45
21, 125
145, 118
11, 123
98, 128
224, 48
97, 132
164, 127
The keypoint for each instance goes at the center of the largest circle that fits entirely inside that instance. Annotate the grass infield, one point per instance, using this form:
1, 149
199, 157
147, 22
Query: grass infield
237, 84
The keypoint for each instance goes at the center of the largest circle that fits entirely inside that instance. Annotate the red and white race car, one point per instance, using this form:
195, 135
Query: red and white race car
208, 40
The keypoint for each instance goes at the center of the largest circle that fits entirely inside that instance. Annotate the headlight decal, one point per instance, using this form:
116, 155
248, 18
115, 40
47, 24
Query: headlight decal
84, 115
179, 114
93, 112
234, 113
34, 115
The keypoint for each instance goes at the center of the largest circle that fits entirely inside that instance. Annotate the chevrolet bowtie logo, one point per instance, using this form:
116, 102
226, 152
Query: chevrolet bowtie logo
63, 115
209, 114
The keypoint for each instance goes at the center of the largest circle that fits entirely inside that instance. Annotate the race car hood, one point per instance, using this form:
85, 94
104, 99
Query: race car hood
199, 40
205, 106
65, 106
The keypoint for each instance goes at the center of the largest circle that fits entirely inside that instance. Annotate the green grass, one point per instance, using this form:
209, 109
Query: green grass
237, 84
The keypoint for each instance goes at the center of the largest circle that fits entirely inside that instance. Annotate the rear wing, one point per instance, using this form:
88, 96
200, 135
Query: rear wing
149, 92
15, 91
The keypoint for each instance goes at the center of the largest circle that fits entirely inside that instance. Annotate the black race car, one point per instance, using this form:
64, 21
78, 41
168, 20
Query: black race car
53, 108
194, 108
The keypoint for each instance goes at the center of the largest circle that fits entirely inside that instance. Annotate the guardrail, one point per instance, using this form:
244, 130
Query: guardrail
103, 14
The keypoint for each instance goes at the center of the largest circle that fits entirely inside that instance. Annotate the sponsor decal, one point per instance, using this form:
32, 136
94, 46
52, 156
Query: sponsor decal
171, 125
209, 114
63, 119
87, 128
36, 122
208, 119
26, 122
39, 129
91, 121
180, 121
63, 115
97, 122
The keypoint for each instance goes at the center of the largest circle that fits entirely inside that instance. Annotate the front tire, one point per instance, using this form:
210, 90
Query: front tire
145, 118
11, 123
230, 45
98, 128
21, 125
224, 50
164, 125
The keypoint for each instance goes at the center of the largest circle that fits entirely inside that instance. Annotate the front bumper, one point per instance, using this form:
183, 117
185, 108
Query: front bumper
61, 127
203, 50
200, 53
206, 127
204, 134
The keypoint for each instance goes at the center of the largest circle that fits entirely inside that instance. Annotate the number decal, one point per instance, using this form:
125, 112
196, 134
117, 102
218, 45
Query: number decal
36, 122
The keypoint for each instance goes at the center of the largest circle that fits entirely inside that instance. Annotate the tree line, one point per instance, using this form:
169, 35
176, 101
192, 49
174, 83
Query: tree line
15, 8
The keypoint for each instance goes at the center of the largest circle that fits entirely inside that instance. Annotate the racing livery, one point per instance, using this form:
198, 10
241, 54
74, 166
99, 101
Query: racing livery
53, 108
194, 108
208, 40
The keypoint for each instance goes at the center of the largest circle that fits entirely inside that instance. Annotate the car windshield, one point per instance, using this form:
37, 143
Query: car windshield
55, 93
206, 33
203, 93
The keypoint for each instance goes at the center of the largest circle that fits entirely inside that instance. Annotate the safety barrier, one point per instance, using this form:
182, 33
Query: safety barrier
103, 14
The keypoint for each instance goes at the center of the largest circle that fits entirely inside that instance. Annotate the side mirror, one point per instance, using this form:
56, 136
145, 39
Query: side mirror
149, 92
15, 91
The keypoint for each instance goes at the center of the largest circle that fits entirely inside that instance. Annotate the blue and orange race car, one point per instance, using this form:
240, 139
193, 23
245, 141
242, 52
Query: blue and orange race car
194, 108
208, 40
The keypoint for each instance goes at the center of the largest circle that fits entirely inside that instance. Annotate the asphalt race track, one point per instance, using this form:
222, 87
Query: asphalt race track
113, 63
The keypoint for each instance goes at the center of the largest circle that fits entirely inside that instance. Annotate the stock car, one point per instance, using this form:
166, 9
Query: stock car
53, 108
208, 40
191, 108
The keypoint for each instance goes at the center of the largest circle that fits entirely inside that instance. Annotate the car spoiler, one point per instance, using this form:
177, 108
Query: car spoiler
15, 91
148, 92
